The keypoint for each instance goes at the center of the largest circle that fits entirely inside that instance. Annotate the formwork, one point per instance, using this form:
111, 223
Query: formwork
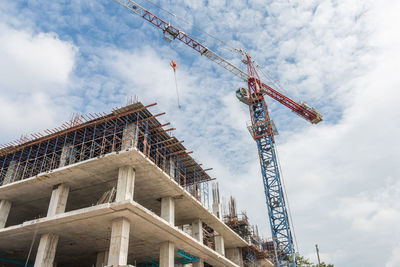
95, 135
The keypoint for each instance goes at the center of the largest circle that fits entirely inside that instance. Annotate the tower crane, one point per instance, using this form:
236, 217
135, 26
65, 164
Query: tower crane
261, 128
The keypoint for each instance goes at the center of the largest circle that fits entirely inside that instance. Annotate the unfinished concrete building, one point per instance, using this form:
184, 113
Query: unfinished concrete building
109, 190
259, 252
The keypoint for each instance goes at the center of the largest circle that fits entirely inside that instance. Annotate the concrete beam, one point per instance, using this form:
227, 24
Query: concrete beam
119, 242
168, 210
197, 230
58, 200
46, 250
235, 255
167, 251
101, 258
219, 244
5, 207
126, 183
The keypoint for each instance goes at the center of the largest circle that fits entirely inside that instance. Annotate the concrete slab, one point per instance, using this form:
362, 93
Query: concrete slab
88, 230
88, 179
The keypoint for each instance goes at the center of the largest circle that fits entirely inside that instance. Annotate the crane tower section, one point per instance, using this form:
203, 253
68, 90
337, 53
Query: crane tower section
263, 135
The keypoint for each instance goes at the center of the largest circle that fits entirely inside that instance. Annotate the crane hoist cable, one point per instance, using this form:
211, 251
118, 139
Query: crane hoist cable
174, 67
269, 77
287, 200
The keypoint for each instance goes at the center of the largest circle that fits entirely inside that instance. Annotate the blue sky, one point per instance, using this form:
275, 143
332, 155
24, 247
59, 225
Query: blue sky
342, 176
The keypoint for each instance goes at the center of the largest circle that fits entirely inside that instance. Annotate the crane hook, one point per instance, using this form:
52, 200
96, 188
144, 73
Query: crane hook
175, 66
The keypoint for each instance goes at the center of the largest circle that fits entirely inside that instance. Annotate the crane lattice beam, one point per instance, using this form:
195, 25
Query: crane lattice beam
171, 33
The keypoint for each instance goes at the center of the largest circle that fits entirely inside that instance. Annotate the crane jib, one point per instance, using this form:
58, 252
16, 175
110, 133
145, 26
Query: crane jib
303, 110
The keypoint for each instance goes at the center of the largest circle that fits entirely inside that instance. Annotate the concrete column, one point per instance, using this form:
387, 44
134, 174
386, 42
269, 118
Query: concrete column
46, 250
119, 242
11, 173
168, 210
58, 200
101, 259
5, 207
197, 230
217, 210
130, 136
172, 168
200, 263
167, 251
197, 233
126, 183
68, 154
235, 255
219, 244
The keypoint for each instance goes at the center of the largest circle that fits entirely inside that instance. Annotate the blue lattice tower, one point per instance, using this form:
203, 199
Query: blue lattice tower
275, 200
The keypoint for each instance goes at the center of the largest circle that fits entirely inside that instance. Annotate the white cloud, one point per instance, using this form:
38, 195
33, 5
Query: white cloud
343, 177
394, 259
35, 71
33, 62
343, 59
339, 55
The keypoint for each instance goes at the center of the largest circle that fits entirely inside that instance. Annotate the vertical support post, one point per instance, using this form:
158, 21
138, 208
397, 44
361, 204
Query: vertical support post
200, 263
216, 206
219, 244
119, 242
168, 210
172, 168
197, 230
130, 136
317, 250
101, 258
46, 251
167, 250
58, 200
217, 210
5, 207
11, 171
197, 233
68, 154
126, 183
65, 151
235, 255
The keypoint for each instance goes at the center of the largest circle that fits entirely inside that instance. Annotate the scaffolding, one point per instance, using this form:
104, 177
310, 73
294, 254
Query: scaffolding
90, 136
258, 249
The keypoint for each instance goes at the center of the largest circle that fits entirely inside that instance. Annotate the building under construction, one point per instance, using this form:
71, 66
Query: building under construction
110, 190
259, 252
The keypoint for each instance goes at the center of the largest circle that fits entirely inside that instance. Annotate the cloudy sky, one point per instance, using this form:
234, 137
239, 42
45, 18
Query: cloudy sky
341, 56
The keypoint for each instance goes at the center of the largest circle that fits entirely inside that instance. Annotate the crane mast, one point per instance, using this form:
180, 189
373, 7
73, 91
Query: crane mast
261, 129
264, 136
